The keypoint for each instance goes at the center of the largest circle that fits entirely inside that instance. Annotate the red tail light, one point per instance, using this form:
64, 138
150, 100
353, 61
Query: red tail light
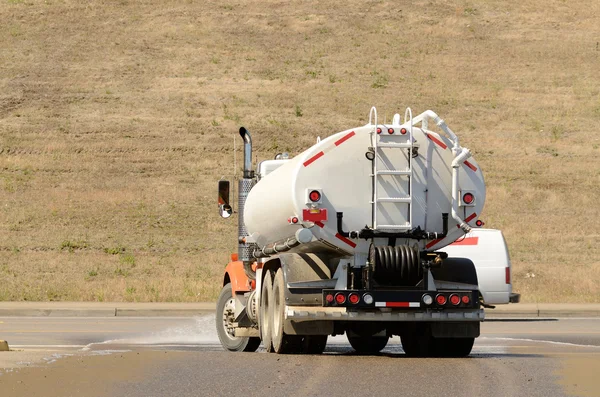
403, 131
507, 275
379, 130
468, 198
329, 298
390, 130
314, 196
454, 299
440, 299
340, 298
354, 298
465, 299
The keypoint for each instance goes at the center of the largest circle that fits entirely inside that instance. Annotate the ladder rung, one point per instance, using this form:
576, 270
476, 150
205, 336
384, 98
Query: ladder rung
395, 145
394, 200
393, 172
397, 227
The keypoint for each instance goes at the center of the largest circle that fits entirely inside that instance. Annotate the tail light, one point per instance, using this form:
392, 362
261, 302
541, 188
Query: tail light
354, 298
440, 299
340, 298
455, 299
465, 299
314, 196
368, 299
390, 130
329, 298
479, 223
468, 198
507, 274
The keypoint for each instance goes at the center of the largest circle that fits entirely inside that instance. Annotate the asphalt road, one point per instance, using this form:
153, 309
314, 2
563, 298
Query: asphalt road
153, 356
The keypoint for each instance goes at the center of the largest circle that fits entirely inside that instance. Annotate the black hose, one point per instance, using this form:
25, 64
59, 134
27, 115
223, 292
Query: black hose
276, 248
396, 265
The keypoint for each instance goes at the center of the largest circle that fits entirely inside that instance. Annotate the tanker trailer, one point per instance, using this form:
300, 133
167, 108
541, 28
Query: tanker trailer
345, 238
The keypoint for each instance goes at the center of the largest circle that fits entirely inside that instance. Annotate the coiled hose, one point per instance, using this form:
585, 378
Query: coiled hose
396, 265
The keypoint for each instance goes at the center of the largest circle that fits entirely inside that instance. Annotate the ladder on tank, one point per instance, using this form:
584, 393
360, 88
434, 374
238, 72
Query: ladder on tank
401, 142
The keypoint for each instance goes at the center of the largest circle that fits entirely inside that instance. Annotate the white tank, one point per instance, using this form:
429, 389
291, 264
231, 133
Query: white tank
410, 180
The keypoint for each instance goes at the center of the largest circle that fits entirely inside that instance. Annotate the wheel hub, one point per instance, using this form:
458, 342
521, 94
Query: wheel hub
228, 318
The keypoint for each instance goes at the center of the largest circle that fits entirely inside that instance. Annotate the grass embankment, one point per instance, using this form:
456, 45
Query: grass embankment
117, 119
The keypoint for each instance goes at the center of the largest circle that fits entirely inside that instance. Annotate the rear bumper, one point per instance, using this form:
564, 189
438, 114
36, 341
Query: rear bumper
315, 313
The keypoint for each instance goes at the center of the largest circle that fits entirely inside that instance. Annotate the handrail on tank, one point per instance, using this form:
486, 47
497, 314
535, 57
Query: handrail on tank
371, 112
460, 155
427, 115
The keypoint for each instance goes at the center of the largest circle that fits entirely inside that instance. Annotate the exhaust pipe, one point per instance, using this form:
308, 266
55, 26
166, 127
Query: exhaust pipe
248, 173
245, 250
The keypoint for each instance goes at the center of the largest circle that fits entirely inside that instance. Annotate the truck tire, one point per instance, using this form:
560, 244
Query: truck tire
225, 314
368, 344
264, 317
453, 347
417, 341
282, 343
314, 344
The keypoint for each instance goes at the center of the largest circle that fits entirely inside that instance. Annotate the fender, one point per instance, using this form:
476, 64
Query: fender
234, 273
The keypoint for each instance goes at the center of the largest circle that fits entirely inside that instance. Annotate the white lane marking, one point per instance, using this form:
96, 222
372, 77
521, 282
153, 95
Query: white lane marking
539, 341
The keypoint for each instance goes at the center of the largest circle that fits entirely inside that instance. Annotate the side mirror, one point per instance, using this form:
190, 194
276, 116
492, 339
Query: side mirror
225, 209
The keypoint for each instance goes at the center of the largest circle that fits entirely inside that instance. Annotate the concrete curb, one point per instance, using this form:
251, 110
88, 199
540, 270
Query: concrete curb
104, 309
533, 310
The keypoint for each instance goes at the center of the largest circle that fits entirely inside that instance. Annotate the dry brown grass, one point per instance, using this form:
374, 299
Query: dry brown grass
117, 117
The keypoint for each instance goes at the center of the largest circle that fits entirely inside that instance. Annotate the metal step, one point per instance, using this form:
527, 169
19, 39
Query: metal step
395, 145
395, 227
394, 200
393, 172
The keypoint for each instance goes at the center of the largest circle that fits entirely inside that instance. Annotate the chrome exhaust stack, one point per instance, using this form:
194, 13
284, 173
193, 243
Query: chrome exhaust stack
245, 250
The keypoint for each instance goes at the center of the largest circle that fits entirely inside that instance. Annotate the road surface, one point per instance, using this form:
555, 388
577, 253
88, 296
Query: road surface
152, 356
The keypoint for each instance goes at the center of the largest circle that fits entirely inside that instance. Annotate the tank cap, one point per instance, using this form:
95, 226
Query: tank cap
304, 236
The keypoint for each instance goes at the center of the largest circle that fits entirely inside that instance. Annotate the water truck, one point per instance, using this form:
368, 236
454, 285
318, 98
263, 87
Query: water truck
372, 232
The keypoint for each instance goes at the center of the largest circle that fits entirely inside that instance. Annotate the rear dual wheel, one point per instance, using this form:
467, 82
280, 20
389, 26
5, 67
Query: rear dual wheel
282, 343
272, 318
368, 344
266, 299
420, 343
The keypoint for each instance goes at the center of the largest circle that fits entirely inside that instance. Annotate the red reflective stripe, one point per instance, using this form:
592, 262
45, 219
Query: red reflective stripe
437, 141
467, 241
320, 224
313, 159
432, 243
344, 239
471, 166
470, 217
344, 139
397, 304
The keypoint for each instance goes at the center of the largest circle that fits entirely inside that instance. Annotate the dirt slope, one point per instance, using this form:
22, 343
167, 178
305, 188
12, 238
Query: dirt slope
117, 118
